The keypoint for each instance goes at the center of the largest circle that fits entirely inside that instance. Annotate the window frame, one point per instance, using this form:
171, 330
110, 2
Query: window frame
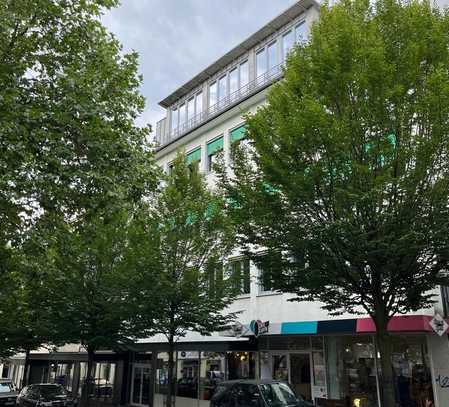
243, 284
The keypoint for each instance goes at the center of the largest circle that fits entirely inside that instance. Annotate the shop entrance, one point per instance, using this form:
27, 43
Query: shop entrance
140, 385
296, 369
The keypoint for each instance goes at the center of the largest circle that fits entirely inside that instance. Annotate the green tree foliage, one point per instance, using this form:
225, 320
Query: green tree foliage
346, 178
87, 280
69, 145
184, 237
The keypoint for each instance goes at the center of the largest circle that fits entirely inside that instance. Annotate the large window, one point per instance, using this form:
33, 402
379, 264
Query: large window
199, 103
222, 87
301, 33
272, 55
244, 74
287, 44
261, 63
213, 96
190, 109
233, 81
174, 119
239, 272
182, 115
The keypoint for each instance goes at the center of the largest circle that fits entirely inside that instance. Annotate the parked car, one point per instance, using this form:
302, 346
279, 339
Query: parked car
8, 393
45, 395
256, 393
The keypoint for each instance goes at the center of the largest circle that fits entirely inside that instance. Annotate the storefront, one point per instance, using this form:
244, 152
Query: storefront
334, 362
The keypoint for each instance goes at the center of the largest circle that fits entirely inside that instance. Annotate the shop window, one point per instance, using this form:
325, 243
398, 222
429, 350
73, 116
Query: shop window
280, 367
5, 371
187, 374
213, 372
239, 272
351, 370
241, 365
103, 381
411, 367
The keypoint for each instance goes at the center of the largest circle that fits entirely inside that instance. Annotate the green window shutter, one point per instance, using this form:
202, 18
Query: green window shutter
238, 133
194, 156
215, 146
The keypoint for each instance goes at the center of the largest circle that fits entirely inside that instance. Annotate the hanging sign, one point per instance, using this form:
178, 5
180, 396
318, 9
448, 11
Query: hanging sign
438, 324
258, 327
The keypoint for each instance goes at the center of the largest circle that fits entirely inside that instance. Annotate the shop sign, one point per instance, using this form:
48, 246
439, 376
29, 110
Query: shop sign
439, 325
258, 327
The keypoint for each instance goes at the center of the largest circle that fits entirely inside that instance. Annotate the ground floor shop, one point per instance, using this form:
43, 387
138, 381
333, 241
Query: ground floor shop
330, 362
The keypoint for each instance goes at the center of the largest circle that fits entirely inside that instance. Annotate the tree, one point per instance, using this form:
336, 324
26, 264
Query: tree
88, 282
69, 145
184, 237
345, 179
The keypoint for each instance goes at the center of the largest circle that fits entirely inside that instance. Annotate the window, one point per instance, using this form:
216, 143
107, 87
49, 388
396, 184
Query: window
272, 55
237, 133
214, 277
244, 74
213, 94
182, 115
222, 87
199, 103
233, 81
287, 44
190, 109
261, 63
213, 148
174, 119
239, 272
266, 284
194, 155
301, 33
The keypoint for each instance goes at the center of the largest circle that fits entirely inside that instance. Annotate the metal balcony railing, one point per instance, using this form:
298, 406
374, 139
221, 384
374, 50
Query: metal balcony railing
250, 88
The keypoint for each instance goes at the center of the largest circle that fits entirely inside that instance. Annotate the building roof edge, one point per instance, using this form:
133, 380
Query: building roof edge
271, 27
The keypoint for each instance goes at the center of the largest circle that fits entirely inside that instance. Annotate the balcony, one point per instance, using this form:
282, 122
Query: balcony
252, 87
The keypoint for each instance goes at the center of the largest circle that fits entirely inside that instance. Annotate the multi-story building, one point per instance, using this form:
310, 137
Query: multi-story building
323, 357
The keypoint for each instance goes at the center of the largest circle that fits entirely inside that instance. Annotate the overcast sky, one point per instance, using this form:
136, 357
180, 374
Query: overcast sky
176, 39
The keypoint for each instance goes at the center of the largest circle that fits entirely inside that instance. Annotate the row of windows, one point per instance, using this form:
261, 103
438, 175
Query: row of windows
239, 272
213, 147
230, 82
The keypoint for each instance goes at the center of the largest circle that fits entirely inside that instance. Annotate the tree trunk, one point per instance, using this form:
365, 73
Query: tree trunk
88, 381
171, 396
26, 369
385, 349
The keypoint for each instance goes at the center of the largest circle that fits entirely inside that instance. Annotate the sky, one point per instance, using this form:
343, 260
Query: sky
176, 39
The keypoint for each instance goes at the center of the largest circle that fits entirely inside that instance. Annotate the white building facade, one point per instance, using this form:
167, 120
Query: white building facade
322, 356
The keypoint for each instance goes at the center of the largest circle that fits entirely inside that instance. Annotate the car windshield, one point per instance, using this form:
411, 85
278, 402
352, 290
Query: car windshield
278, 394
51, 391
5, 387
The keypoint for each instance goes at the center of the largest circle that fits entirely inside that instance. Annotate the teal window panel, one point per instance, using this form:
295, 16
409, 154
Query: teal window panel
215, 146
194, 155
303, 327
238, 133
